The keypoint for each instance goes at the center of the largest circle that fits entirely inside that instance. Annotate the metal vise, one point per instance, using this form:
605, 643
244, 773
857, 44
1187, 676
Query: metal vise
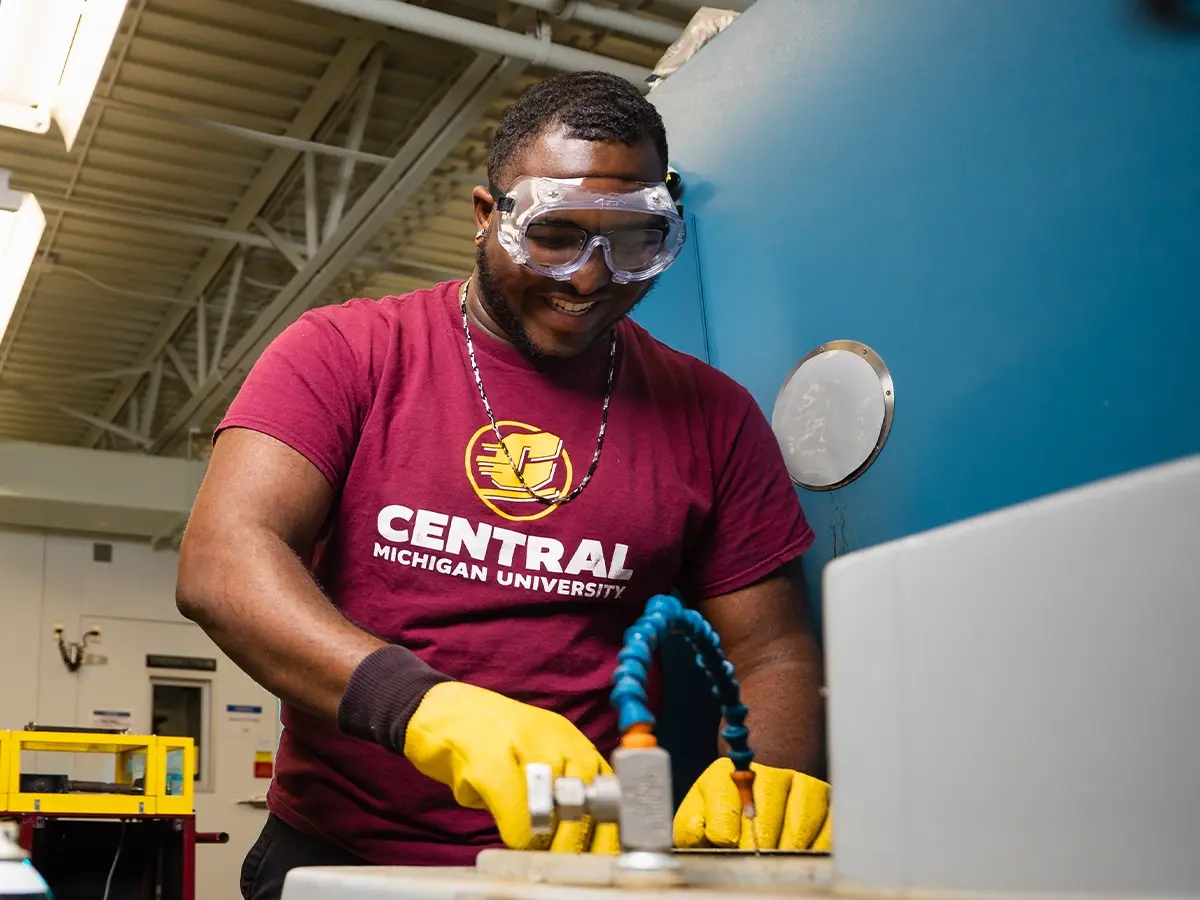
638, 798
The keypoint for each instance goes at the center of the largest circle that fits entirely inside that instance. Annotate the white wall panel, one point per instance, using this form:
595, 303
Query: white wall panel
49, 579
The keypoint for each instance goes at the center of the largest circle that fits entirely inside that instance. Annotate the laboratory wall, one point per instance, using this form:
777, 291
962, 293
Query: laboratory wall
1002, 199
47, 580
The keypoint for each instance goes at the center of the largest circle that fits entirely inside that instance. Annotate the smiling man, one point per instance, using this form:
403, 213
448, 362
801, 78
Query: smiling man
428, 520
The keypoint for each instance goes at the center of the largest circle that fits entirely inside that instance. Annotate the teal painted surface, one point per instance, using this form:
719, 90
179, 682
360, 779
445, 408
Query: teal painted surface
674, 310
1003, 199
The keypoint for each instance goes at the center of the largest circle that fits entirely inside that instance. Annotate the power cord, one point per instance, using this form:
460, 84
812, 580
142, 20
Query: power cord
113, 868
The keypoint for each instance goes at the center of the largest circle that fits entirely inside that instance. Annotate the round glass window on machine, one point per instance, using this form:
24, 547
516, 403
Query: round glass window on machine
833, 414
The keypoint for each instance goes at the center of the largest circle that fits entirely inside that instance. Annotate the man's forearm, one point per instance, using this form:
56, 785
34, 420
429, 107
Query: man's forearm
787, 715
258, 603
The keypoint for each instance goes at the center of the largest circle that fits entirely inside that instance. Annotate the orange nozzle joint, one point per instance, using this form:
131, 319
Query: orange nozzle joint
639, 737
745, 788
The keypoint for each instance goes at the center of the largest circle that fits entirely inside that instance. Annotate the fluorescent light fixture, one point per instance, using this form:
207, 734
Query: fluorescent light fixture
51, 56
21, 225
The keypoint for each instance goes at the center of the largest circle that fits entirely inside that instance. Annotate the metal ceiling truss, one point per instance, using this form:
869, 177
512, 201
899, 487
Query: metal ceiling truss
330, 242
458, 111
341, 72
353, 197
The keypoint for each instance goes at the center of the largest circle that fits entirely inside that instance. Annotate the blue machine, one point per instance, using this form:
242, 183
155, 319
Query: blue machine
1002, 199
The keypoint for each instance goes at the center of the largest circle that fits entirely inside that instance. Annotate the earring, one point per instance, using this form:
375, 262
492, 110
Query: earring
480, 233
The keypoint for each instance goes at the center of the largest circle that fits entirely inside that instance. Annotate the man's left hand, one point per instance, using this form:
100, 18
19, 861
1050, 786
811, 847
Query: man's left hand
791, 811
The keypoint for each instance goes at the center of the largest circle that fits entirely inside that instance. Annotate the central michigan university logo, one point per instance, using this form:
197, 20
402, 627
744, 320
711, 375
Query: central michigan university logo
539, 456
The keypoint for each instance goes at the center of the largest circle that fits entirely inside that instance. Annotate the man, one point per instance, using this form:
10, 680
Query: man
428, 520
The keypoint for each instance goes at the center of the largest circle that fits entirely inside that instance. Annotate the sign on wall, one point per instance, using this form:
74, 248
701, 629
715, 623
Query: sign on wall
263, 763
112, 718
193, 663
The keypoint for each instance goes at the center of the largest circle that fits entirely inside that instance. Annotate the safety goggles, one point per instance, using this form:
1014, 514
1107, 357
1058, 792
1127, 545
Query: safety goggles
554, 225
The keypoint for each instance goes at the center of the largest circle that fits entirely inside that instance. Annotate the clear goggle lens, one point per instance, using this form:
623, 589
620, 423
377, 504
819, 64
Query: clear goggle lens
630, 248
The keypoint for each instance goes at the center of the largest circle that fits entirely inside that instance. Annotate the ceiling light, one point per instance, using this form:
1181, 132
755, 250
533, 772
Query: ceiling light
51, 55
21, 225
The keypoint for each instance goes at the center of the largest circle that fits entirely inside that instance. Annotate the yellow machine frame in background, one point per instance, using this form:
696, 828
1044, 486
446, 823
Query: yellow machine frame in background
155, 800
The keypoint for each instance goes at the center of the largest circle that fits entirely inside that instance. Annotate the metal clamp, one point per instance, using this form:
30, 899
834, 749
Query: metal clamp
637, 798
570, 798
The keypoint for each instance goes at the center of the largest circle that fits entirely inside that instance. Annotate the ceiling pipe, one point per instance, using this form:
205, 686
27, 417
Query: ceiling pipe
582, 11
486, 38
739, 6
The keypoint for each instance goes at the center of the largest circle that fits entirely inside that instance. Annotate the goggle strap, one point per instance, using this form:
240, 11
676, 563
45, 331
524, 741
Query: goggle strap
504, 203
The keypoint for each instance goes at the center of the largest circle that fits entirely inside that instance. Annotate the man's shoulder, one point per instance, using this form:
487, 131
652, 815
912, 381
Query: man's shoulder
666, 364
361, 320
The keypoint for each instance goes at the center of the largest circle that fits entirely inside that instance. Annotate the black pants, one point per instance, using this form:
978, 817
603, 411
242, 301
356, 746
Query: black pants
278, 850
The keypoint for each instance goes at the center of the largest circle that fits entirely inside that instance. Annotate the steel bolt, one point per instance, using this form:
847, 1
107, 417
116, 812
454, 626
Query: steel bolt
604, 798
570, 796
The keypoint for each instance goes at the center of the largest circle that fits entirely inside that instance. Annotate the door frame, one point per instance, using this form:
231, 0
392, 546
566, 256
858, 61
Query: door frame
206, 783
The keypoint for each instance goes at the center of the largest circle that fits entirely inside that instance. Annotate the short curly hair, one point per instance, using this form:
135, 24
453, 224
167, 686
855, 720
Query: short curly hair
591, 106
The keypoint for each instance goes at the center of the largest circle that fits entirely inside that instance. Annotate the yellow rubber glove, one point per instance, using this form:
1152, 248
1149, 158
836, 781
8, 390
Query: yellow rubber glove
792, 811
478, 742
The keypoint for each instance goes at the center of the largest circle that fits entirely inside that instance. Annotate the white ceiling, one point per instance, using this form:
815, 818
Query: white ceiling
156, 210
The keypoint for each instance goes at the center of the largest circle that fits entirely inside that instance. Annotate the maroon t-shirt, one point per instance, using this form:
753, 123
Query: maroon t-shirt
434, 545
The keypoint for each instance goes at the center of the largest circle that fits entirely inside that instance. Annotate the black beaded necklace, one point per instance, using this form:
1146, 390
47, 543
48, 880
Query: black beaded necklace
612, 368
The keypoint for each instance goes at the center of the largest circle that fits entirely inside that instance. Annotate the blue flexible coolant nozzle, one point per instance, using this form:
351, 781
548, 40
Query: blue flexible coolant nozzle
666, 615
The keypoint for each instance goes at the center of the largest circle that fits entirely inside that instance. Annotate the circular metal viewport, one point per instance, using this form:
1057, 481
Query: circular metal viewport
833, 414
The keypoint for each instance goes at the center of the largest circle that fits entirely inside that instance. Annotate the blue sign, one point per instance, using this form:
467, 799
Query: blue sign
245, 710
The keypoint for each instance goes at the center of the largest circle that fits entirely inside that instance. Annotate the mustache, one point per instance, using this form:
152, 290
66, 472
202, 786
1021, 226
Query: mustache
566, 291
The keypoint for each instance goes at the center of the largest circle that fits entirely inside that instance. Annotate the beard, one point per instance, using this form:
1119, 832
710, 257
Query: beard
498, 309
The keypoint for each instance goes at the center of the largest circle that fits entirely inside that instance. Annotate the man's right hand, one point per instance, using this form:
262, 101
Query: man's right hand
478, 743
